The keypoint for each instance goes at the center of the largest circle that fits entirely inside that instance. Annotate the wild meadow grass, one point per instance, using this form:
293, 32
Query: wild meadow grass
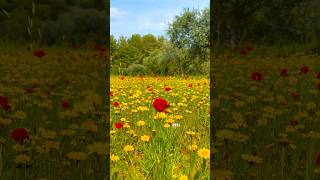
52, 114
267, 117
160, 128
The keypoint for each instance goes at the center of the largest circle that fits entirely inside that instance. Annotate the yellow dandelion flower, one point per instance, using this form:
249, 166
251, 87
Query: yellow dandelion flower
204, 153
170, 121
22, 159
114, 158
166, 125
126, 125
80, 156
50, 134
98, 147
145, 138
183, 177
50, 145
128, 148
160, 115
178, 117
20, 115
193, 147
191, 133
5, 121
141, 123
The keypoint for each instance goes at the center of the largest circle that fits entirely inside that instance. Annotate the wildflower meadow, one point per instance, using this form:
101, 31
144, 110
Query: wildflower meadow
52, 114
160, 127
266, 111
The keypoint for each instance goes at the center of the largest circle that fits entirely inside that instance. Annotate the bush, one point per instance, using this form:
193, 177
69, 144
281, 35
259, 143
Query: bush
137, 69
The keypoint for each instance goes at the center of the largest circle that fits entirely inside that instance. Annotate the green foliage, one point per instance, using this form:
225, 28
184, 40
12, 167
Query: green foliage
53, 22
185, 52
136, 69
265, 22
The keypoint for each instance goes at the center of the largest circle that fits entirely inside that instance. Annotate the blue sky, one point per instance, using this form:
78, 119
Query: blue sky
129, 17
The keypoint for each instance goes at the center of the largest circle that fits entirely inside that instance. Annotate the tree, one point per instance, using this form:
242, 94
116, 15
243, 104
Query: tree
190, 31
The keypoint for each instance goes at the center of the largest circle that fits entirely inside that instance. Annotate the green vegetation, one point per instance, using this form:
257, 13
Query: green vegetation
185, 52
53, 22
276, 23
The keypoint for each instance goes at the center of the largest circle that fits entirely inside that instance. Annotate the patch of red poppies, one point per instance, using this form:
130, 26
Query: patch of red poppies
116, 104
160, 104
317, 159
118, 125
4, 103
304, 70
65, 104
257, 76
167, 88
19, 134
283, 72
39, 53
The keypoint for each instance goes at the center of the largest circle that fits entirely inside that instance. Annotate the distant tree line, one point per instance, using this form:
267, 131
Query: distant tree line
53, 21
267, 22
184, 52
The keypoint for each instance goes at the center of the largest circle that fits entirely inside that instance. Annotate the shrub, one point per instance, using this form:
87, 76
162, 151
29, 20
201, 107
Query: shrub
137, 69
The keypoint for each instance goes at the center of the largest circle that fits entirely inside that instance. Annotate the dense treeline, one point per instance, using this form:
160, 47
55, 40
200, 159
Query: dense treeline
265, 22
53, 21
185, 51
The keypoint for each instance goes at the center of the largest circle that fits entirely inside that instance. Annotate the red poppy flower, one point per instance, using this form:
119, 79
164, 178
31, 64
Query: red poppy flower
116, 104
29, 90
256, 76
3, 101
39, 53
19, 134
65, 104
167, 88
118, 125
318, 75
294, 122
190, 85
249, 48
295, 95
160, 104
110, 94
284, 72
304, 69
317, 159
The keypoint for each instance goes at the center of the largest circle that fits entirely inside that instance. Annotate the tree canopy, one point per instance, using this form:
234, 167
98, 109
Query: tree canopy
185, 51
53, 21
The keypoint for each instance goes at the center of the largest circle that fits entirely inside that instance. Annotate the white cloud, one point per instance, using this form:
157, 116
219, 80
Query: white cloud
116, 13
153, 25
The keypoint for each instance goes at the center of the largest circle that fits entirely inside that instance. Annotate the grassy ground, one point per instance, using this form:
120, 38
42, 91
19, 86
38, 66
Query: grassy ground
59, 100
177, 135
267, 117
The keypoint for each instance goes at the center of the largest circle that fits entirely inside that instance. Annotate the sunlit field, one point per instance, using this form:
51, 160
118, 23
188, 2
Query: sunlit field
160, 128
267, 117
51, 114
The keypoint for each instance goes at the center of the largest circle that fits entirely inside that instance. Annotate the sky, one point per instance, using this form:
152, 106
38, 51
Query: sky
129, 17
